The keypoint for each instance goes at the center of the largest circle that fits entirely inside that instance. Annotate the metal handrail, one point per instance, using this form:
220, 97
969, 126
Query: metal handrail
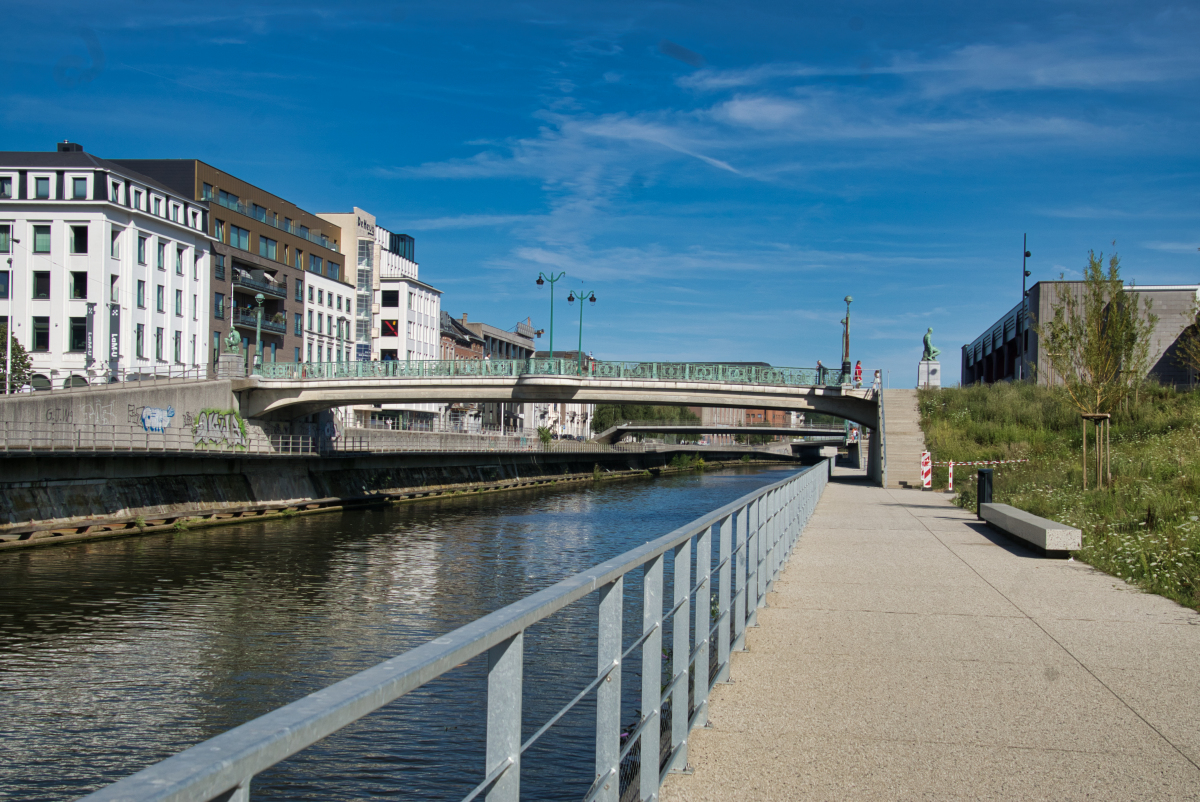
249, 318
246, 279
176, 437
97, 377
496, 368
754, 536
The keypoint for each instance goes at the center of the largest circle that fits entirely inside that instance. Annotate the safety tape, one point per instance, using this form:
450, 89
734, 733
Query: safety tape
989, 462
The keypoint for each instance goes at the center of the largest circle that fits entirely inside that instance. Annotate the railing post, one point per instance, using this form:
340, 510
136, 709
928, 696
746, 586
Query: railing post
724, 556
703, 622
608, 694
764, 543
650, 748
742, 550
505, 676
752, 534
680, 650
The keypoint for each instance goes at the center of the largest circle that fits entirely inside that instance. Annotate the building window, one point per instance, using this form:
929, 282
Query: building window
219, 230
195, 307
219, 306
158, 213
79, 188
139, 341
178, 346
390, 298
178, 303
228, 199
320, 323
299, 290
390, 328
388, 355
310, 321
41, 239
41, 334
297, 353
141, 255
160, 298
258, 212
239, 238
219, 266
79, 239
179, 261
79, 286
410, 300
298, 263
114, 246
137, 199
141, 294
4, 286
196, 266
113, 289
175, 217
5, 187
78, 334
320, 297
267, 247
158, 343
335, 271
207, 192
299, 324
41, 285
310, 352
41, 188
310, 293
315, 263
162, 256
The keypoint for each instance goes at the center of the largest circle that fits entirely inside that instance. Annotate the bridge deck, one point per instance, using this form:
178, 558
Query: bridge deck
911, 653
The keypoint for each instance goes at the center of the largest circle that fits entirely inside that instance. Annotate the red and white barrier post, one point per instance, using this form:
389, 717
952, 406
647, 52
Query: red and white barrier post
926, 470
950, 486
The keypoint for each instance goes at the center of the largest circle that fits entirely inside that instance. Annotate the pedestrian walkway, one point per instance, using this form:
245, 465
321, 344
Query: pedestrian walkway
909, 652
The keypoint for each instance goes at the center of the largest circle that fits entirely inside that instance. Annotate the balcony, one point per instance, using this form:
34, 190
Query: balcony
272, 289
273, 221
248, 319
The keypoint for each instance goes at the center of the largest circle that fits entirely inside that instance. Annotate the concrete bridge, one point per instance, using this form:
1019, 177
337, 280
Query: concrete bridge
615, 433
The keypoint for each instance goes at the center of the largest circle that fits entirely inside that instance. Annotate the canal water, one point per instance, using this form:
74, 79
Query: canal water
116, 654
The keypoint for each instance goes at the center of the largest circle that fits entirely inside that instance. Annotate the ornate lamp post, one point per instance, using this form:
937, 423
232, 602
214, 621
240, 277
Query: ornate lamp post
846, 339
258, 349
588, 296
542, 279
1025, 254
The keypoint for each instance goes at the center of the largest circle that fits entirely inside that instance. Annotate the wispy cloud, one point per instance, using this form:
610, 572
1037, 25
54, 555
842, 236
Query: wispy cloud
1173, 247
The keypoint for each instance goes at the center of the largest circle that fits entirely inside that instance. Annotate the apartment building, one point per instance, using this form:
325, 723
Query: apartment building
265, 245
103, 269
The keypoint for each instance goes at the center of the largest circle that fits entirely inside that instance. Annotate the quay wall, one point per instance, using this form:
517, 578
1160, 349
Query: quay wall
44, 498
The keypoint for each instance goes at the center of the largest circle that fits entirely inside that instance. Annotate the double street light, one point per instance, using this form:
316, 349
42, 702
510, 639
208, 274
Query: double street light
583, 296
541, 280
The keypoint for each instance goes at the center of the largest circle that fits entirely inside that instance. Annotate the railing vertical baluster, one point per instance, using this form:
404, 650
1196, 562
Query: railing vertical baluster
652, 659
608, 695
680, 649
724, 577
764, 544
752, 510
742, 550
505, 680
703, 621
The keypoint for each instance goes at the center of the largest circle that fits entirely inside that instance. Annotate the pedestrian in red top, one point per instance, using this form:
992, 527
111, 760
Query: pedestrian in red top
858, 373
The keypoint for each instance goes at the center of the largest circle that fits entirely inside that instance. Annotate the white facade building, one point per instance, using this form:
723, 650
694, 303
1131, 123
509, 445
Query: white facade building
328, 320
396, 315
101, 269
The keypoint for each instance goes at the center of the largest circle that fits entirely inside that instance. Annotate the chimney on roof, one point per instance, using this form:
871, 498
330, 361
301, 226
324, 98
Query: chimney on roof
67, 146
464, 317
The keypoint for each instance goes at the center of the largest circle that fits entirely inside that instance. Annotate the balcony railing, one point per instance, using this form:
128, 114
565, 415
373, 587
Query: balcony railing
248, 318
276, 289
273, 221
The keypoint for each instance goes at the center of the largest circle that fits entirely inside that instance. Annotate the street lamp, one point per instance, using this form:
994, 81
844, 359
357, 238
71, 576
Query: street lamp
542, 279
846, 339
8, 327
588, 296
258, 331
1025, 254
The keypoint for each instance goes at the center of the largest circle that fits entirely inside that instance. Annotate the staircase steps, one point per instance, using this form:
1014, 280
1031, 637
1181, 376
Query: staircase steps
904, 438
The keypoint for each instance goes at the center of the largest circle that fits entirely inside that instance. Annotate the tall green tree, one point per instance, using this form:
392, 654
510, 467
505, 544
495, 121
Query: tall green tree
1098, 339
22, 368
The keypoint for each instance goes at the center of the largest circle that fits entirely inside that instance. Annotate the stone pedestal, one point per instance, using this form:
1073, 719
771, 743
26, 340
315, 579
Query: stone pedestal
929, 375
231, 366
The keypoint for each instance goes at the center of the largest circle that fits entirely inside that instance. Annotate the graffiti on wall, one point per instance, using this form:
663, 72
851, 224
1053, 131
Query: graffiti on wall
99, 413
155, 419
223, 427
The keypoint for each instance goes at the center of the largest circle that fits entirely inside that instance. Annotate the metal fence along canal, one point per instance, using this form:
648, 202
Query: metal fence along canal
701, 586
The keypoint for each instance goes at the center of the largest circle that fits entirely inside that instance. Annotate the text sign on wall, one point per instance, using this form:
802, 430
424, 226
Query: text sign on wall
114, 332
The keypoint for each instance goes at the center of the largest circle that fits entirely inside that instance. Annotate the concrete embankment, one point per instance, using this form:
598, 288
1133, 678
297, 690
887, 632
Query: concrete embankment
46, 499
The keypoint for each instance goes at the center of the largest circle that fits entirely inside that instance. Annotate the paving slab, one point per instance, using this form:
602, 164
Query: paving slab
910, 652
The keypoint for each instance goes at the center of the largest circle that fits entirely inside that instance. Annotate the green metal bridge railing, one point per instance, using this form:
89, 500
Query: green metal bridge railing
499, 368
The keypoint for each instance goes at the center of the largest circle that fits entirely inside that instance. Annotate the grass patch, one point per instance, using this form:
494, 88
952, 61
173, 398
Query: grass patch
1145, 529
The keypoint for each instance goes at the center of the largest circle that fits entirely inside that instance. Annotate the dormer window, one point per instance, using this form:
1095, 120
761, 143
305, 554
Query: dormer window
79, 188
41, 188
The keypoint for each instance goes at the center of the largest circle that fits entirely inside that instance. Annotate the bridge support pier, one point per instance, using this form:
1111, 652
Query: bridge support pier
875, 457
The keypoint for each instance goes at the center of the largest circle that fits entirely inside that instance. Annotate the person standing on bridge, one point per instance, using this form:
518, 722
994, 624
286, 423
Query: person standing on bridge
858, 374
820, 372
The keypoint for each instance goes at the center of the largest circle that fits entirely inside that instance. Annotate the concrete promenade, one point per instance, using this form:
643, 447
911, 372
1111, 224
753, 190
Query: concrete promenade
910, 653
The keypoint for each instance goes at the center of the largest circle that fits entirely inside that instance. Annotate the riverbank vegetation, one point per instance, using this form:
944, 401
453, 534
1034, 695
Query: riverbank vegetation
609, 415
1144, 528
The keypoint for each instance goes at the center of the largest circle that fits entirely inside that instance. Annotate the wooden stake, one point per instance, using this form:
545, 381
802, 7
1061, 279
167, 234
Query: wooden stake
1084, 421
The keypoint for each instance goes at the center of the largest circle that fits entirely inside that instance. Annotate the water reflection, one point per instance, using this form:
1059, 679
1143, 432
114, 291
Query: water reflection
116, 654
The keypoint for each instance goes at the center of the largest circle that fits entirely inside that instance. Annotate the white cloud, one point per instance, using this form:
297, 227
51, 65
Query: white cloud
1173, 247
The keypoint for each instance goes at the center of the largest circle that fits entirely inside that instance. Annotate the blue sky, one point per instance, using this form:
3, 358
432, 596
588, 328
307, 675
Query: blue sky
720, 174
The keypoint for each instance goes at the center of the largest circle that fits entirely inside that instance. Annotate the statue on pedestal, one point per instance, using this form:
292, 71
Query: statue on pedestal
233, 343
931, 353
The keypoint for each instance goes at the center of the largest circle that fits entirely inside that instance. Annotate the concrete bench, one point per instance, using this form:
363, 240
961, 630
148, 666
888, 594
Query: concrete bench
1046, 536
